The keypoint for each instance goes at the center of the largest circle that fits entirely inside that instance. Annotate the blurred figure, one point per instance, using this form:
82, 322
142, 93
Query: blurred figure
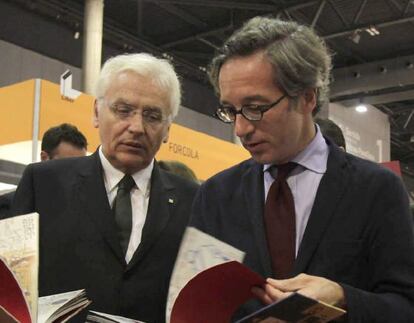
179, 169
62, 141
331, 130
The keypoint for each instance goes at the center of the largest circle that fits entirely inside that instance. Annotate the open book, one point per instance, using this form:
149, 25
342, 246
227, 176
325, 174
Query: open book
215, 293
19, 265
97, 317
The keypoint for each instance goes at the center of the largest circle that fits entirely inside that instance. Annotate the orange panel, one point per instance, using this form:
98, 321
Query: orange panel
16, 112
204, 154
56, 110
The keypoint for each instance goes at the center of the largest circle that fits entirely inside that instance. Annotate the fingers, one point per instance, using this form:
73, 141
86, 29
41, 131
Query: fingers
268, 294
289, 285
261, 295
311, 286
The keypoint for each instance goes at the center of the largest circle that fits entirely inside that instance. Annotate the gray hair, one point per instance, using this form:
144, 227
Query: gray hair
159, 70
299, 57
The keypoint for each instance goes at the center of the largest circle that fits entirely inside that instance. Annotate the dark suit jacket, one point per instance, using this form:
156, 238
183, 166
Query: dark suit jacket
5, 204
79, 247
359, 233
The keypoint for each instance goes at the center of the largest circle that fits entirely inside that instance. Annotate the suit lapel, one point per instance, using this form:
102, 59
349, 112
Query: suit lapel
252, 183
330, 192
94, 203
161, 203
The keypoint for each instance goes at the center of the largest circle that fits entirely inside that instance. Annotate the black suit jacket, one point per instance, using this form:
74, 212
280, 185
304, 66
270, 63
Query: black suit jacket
5, 204
359, 233
78, 241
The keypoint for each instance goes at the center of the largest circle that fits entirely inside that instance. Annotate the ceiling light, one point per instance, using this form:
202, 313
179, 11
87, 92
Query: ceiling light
355, 36
372, 30
361, 108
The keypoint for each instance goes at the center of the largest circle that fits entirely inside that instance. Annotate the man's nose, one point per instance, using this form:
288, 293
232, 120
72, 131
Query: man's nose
242, 126
136, 123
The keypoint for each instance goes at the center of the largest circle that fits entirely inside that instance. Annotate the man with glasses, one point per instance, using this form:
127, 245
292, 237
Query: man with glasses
310, 217
112, 222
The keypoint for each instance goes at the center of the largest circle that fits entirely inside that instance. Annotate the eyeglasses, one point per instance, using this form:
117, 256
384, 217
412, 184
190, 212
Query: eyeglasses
150, 115
252, 112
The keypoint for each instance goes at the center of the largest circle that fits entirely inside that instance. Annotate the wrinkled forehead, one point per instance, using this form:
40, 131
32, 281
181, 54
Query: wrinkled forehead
135, 89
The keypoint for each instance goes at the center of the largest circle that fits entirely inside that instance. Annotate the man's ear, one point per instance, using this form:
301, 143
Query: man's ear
95, 119
309, 100
44, 156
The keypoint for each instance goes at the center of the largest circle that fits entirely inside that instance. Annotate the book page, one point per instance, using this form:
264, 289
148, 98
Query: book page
19, 247
198, 251
98, 317
54, 306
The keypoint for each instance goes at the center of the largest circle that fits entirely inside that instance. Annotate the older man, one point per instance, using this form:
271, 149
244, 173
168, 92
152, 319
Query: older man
112, 222
309, 216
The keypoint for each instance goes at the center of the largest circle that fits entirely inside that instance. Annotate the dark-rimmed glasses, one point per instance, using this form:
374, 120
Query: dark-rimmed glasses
252, 112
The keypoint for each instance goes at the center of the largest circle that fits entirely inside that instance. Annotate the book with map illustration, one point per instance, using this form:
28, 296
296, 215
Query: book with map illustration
209, 283
19, 265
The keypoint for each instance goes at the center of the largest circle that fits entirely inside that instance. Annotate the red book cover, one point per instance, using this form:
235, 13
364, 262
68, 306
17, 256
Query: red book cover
215, 294
12, 299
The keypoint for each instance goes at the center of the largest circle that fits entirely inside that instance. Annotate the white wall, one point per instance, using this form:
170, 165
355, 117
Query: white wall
367, 135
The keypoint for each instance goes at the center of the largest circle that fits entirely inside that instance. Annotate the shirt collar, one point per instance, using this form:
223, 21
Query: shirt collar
112, 176
314, 157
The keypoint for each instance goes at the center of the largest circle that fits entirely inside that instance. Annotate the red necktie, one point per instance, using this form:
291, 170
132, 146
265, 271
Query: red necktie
280, 222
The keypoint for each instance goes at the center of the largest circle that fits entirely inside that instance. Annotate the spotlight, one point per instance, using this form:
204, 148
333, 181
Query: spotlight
167, 56
357, 75
409, 65
355, 36
361, 108
383, 69
372, 30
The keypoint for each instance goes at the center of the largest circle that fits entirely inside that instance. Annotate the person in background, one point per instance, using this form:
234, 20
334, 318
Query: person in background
62, 141
112, 222
310, 217
179, 169
331, 130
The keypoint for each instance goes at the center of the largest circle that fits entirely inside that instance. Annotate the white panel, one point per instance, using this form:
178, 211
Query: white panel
31, 65
200, 122
367, 135
10, 60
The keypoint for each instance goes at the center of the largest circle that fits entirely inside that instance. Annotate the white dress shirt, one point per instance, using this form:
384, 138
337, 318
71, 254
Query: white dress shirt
139, 198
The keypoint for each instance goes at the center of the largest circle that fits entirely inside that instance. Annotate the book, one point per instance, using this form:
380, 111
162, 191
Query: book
98, 317
198, 252
213, 293
295, 308
19, 265
61, 307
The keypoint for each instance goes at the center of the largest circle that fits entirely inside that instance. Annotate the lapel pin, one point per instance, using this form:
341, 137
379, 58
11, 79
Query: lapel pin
171, 201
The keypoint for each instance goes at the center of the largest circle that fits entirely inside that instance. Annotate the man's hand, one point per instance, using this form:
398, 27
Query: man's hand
315, 287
